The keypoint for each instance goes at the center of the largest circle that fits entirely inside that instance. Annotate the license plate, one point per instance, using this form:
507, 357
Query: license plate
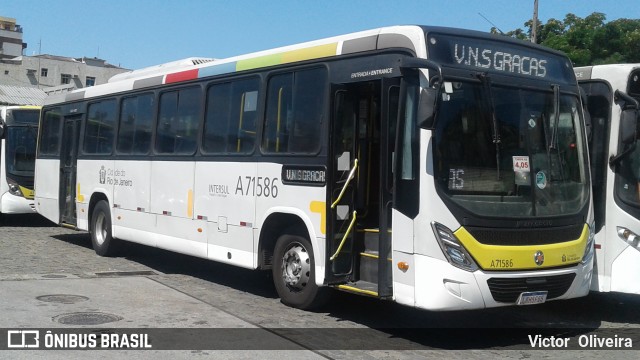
533, 297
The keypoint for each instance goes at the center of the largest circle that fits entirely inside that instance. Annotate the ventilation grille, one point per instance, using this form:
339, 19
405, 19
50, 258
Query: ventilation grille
201, 61
507, 290
538, 236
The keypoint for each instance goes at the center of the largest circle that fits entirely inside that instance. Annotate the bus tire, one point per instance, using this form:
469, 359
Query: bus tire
103, 242
294, 273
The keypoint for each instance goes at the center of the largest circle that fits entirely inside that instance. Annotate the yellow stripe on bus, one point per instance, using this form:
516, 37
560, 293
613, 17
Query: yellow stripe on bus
190, 203
356, 290
314, 52
497, 257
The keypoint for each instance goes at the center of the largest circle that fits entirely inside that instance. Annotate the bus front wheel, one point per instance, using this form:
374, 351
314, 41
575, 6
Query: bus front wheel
294, 273
103, 242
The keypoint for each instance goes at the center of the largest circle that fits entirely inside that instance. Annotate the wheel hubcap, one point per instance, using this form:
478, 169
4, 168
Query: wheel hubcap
296, 267
101, 229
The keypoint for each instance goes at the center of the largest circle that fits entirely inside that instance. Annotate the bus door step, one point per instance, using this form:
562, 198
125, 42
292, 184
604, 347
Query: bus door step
69, 226
360, 287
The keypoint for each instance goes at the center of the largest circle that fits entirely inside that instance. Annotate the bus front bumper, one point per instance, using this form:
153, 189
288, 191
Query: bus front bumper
11, 204
445, 287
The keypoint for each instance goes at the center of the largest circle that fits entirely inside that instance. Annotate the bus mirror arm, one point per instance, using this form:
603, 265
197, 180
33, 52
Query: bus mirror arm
628, 134
628, 118
629, 102
614, 160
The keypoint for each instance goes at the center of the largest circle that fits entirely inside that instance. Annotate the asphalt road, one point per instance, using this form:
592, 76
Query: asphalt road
201, 294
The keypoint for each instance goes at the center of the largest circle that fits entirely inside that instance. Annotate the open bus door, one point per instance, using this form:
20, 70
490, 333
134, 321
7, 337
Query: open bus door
361, 187
68, 167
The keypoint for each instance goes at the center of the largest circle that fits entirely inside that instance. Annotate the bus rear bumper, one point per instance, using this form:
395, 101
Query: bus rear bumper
11, 204
445, 287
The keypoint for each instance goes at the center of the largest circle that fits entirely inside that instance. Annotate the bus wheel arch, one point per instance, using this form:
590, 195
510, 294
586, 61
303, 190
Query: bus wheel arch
100, 226
286, 248
275, 225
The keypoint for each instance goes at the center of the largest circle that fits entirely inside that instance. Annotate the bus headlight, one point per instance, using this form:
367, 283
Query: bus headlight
453, 250
629, 237
590, 249
14, 188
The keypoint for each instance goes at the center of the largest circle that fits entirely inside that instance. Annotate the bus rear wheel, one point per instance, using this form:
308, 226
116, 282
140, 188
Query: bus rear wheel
103, 242
294, 273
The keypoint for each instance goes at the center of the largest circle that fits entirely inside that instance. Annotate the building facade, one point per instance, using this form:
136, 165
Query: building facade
11, 44
50, 73
56, 72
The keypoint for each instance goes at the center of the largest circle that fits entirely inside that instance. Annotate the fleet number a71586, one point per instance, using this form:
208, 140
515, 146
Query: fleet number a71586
502, 263
257, 186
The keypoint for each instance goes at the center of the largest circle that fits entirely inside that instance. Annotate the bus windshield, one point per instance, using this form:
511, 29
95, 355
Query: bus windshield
21, 138
510, 152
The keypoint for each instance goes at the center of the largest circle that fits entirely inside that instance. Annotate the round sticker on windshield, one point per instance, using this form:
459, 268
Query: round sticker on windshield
541, 180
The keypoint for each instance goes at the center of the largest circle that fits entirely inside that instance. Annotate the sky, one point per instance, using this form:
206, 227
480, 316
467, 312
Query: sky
138, 33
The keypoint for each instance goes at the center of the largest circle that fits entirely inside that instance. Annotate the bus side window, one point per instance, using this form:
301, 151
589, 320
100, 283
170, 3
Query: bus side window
134, 132
277, 114
99, 133
50, 133
294, 113
230, 119
178, 121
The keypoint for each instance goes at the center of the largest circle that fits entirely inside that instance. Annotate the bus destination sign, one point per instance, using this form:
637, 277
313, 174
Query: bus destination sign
499, 60
499, 57
304, 175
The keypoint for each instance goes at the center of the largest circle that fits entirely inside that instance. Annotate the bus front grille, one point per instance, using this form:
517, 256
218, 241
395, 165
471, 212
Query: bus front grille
536, 236
507, 290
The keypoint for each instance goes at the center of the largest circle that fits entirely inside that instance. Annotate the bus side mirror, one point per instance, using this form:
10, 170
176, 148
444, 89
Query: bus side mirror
427, 107
1, 129
628, 126
429, 95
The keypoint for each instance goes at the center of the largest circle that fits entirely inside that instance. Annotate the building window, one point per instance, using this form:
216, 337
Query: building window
91, 81
44, 72
65, 79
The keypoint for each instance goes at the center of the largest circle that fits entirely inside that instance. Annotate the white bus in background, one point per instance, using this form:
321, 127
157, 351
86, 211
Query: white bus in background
612, 97
18, 134
440, 168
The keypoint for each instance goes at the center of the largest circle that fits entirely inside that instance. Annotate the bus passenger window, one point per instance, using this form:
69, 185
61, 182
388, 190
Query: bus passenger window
295, 112
50, 134
99, 132
230, 119
178, 121
134, 133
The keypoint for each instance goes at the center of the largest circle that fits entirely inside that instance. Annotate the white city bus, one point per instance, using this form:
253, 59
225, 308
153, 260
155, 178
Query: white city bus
18, 134
612, 96
439, 168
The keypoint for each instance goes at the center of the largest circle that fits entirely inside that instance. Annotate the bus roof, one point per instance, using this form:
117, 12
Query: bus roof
616, 74
409, 37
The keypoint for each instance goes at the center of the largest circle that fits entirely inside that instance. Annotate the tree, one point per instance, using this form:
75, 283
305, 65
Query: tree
588, 41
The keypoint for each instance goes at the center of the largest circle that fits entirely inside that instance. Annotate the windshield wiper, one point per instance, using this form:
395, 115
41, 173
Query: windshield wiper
555, 161
556, 118
486, 83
